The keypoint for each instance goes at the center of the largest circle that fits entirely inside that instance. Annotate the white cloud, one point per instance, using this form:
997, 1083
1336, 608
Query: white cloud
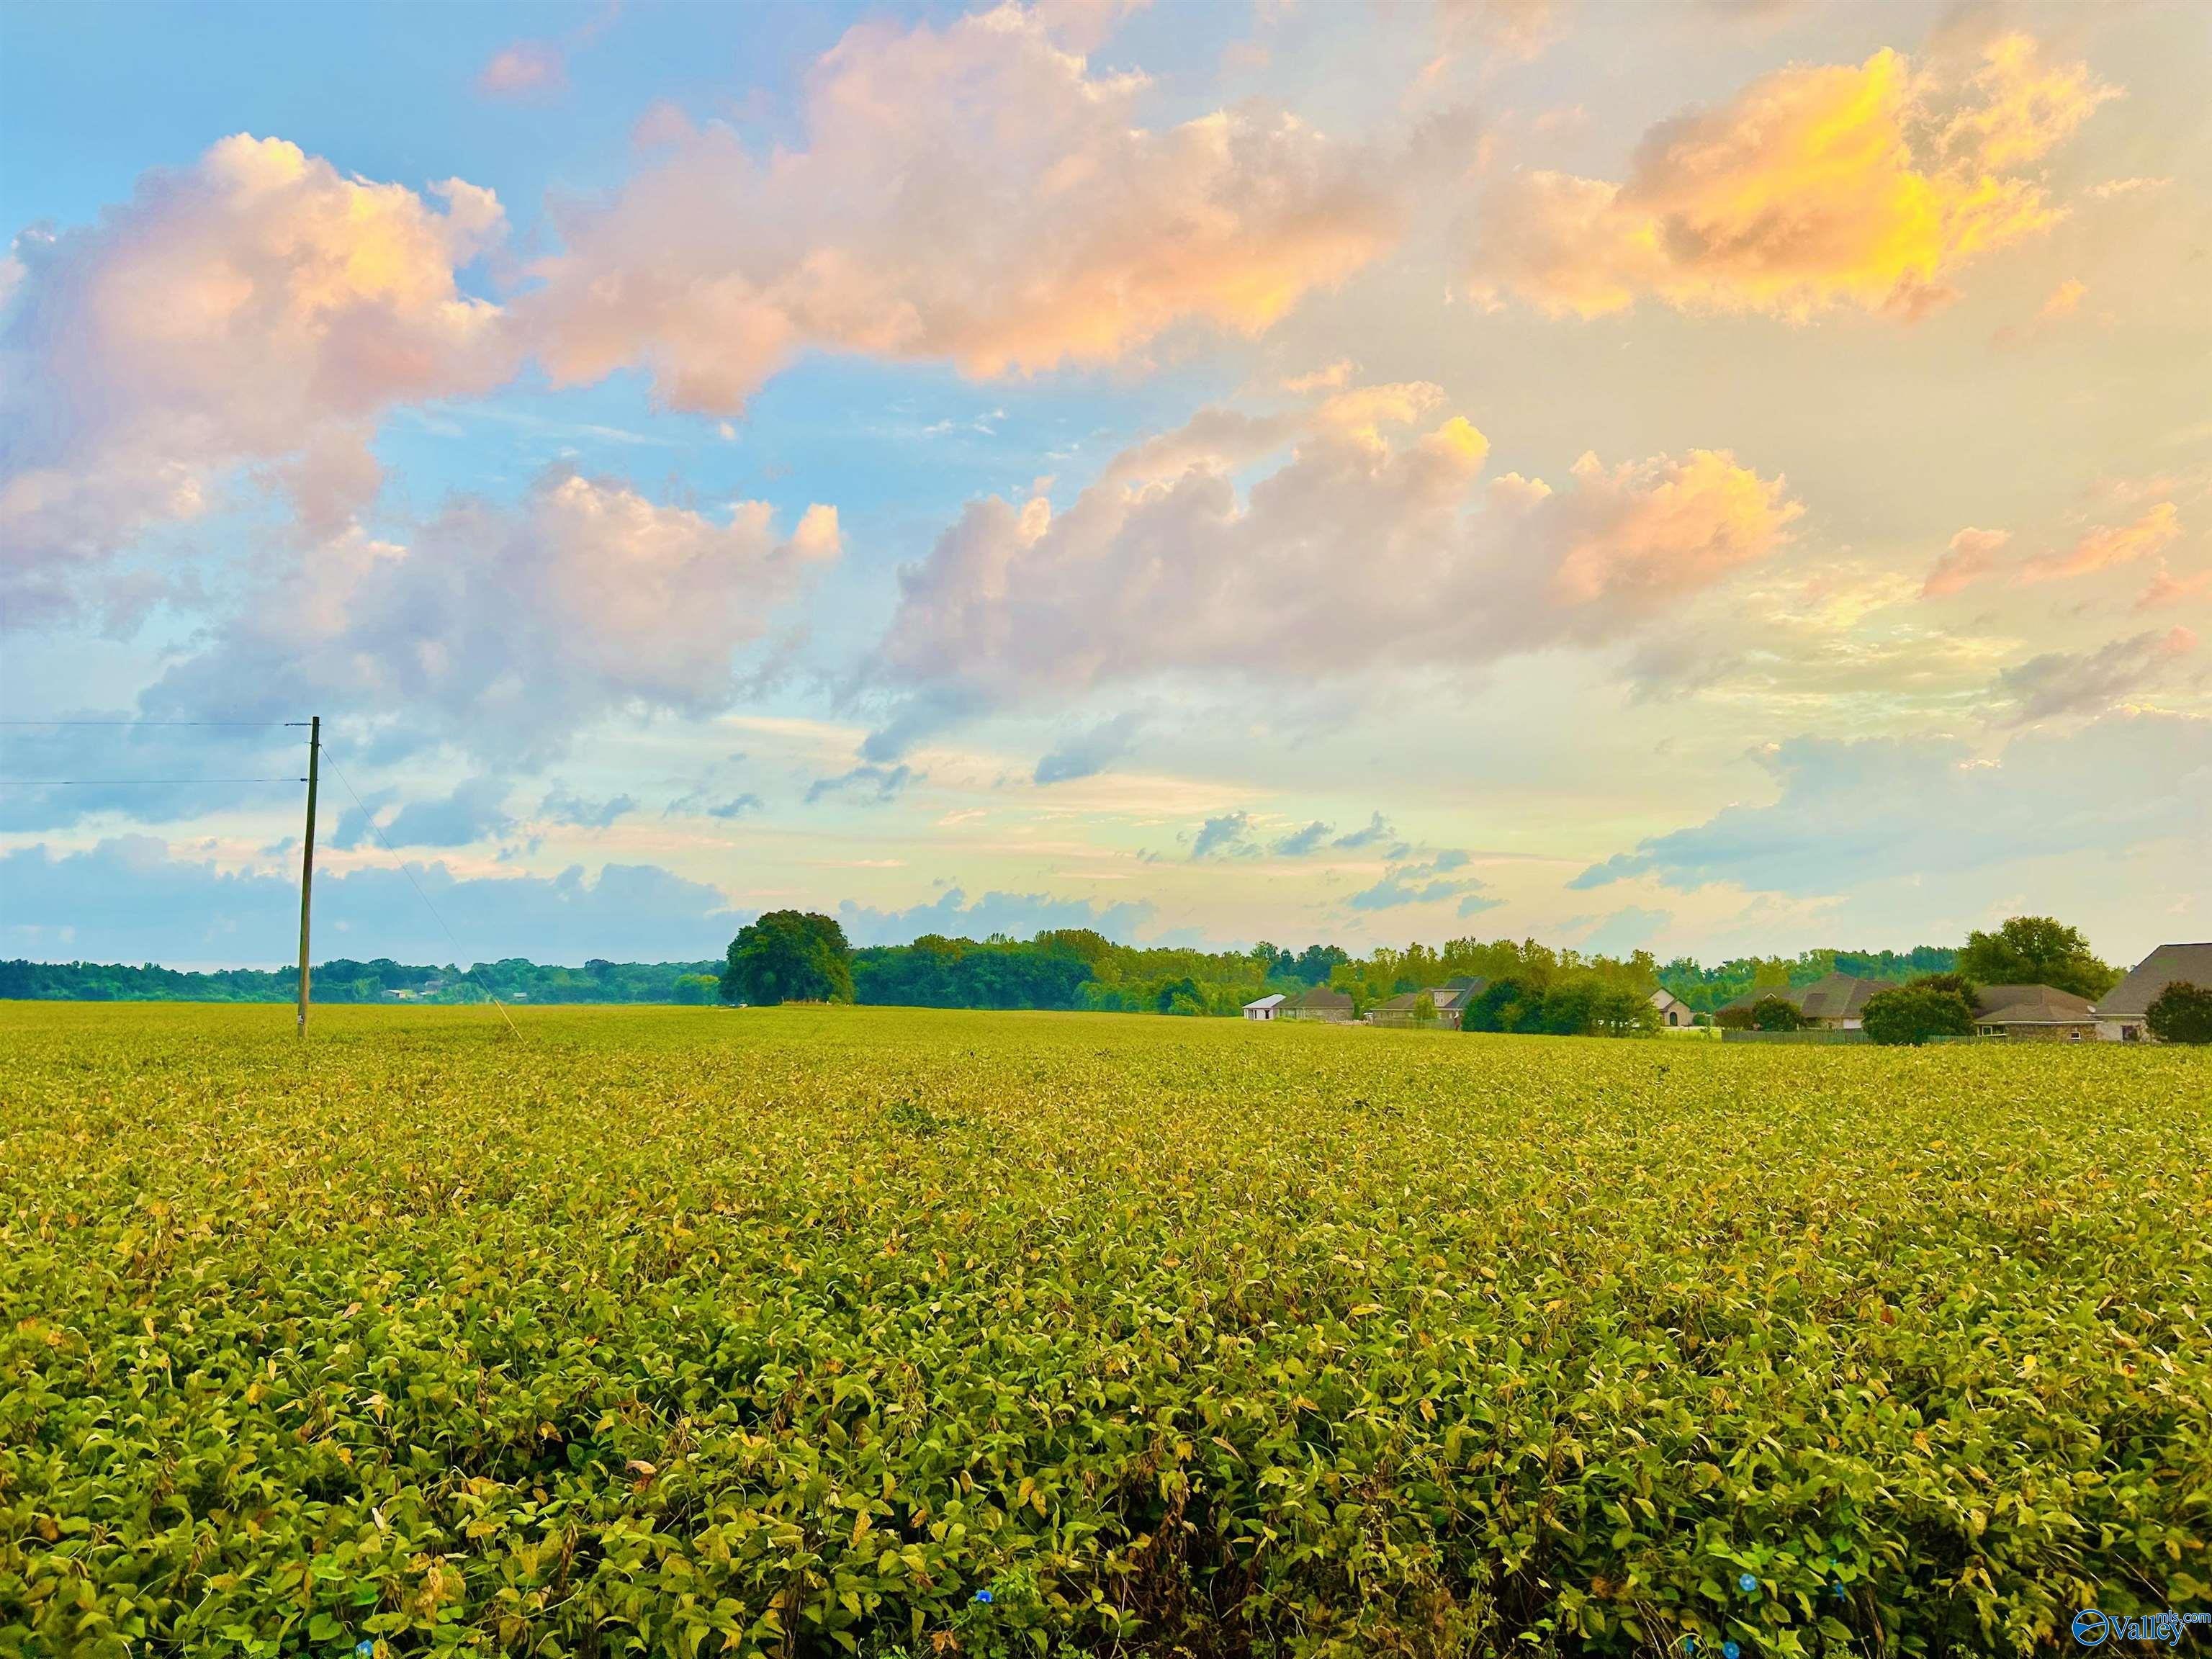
1356, 554
972, 192
503, 632
259, 307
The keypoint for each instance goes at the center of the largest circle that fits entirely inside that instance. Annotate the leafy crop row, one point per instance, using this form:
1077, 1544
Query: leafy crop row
865, 1332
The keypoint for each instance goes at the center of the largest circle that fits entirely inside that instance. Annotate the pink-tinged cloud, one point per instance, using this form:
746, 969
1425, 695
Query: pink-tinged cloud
2109, 546
1971, 556
2165, 589
972, 192
526, 69
1374, 545
503, 631
1868, 186
259, 306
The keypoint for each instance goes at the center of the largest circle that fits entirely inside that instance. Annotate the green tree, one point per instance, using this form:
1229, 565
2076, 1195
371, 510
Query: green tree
1911, 1014
1502, 1006
1425, 1010
696, 988
1622, 1011
2181, 1013
2036, 951
1957, 985
1776, 1014
788, 955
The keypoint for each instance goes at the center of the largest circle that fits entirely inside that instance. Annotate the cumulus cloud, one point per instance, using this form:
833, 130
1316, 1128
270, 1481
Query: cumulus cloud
1299, 842
134, 898
973, 192
474, 810
710, 803
1084, 754
257, 308
869, 781
1971, 556
1357, 553
563, 806
523, 70
1427, 881
2110, 545
1816, 186
2062, 683
2165, 588
1226, 836
1853, 812
1374, 833
503, 631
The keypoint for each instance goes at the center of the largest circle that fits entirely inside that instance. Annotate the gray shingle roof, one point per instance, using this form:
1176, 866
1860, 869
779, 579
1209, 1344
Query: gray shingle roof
2031, 1004
2132, 997
1832, 996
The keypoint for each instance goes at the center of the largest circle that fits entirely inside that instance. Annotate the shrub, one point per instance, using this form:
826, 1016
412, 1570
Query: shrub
2181, 1013
1776, 1014
1911, 1014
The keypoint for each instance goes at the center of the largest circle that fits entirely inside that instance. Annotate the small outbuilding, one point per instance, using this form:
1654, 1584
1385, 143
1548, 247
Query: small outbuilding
1673, 1010
1266, 1008
2120, 1011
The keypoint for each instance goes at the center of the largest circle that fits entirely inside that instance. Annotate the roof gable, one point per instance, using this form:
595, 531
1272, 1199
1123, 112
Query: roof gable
2132, 997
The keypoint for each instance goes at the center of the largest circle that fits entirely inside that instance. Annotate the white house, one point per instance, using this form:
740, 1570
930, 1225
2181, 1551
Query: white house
1265, 1008
2120, 1011
1673, 1010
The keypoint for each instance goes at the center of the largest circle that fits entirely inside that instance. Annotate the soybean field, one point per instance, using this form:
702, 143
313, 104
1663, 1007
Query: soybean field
875, 1332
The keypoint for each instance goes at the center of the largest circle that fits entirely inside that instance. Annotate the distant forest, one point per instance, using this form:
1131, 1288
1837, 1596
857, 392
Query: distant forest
1064, 968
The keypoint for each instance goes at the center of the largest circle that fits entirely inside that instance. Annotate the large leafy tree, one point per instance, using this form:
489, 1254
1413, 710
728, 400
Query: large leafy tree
2181, 1013
788, 955
1911, 1014
2036, 951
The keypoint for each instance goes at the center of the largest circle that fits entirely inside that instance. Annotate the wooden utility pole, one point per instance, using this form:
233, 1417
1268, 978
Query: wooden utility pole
308, 859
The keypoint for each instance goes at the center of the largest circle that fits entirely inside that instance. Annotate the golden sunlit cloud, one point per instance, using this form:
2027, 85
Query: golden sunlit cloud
260, 306
1815, 187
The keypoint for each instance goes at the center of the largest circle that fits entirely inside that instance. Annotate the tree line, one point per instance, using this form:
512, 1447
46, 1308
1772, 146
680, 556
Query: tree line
344, 979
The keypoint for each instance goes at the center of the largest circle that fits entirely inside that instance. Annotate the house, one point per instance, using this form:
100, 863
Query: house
1457, 996
1831, 1003
1319, 1003
2033, 1013
1673, 1010
1265, 1007
2120, 1011
1449, 1001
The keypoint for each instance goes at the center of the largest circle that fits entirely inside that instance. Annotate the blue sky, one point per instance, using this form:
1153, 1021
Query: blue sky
1715, 479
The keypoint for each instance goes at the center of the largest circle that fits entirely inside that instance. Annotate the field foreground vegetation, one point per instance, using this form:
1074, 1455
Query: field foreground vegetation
817, 1332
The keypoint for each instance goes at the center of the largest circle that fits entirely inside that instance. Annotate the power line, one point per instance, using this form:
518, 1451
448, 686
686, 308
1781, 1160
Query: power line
260, 725
106, 783
369, 819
